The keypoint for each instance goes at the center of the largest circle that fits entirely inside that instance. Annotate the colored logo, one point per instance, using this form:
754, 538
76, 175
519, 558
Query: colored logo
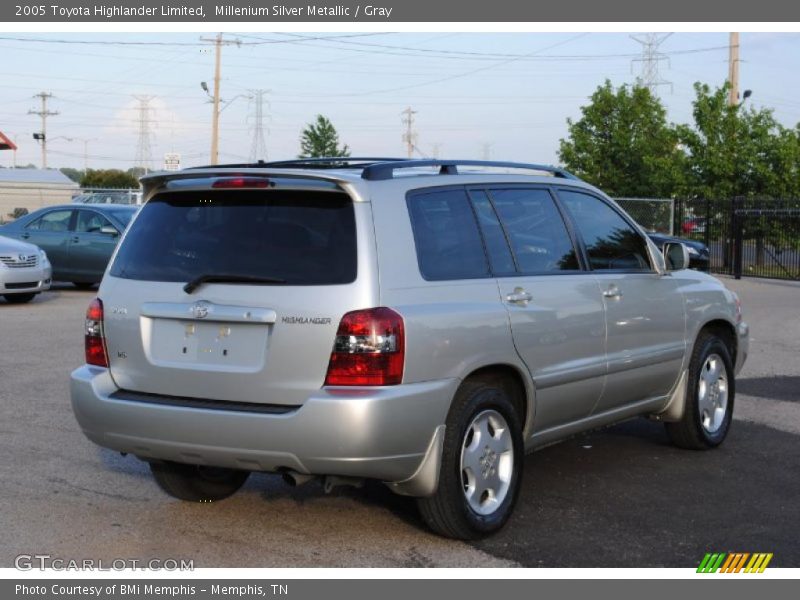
735, 562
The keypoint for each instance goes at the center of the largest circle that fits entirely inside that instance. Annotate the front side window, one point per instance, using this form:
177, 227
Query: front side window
446, 235
91, 222
611, 242
535, 230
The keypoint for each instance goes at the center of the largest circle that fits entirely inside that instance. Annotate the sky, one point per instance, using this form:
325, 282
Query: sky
477, 95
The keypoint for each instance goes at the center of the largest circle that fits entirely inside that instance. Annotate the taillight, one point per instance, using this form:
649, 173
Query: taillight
369, 349
95, 342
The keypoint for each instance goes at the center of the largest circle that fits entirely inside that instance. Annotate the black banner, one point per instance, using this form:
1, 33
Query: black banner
396, 11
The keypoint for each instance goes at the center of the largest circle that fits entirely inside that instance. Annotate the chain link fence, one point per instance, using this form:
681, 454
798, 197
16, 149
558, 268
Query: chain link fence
653, 214
17, 200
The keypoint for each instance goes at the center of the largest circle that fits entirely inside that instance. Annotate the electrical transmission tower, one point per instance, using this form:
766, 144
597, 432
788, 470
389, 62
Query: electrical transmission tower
43, 113
410, 135
258, 147
143, 148
650, 61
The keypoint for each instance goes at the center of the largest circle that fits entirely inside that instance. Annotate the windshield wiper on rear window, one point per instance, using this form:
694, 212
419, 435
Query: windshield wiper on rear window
224, 278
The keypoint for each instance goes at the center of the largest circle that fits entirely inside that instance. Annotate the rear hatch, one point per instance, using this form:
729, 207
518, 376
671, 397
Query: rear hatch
270, 273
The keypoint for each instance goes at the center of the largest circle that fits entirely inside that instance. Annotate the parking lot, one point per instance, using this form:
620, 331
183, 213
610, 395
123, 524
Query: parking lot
620, 497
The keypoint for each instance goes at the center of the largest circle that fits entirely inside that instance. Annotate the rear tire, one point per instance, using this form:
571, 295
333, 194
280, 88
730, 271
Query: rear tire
482, 460
19, 298
195, 483
709, 396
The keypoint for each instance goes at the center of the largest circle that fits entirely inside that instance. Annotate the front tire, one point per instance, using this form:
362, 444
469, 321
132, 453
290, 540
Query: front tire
19, 298
709, 396
196, 483
482, 460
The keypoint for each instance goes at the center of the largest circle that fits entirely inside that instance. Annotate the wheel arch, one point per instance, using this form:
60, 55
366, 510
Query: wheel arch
518, 386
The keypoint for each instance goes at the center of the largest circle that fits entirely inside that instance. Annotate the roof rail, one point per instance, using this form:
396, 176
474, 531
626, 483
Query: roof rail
385, 170
327, 162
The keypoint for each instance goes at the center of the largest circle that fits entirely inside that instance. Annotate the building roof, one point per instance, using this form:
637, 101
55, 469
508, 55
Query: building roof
45, 176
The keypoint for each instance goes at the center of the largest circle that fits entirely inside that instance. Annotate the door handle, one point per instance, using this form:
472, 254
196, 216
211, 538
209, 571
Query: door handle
76, 239
25, 236
518, 296
612, 291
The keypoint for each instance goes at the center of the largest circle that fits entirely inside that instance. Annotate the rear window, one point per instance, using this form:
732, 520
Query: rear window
300, 237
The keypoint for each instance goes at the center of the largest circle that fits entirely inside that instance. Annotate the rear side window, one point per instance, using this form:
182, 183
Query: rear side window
91, 222
57, 220
446, 235
611, 243
299, 237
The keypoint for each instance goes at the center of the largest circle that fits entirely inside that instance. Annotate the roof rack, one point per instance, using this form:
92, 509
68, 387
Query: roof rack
377, 169
328, 162
385, 170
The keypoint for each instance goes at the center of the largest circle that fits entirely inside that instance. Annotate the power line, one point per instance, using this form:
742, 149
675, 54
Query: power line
410, 134
651, 60
219, 41
258, 146
144, 155
43, 113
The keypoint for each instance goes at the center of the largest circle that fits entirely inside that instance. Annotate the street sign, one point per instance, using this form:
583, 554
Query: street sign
172, 161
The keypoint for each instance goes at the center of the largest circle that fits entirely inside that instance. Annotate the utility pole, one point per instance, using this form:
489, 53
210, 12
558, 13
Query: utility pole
733, 69
258, 147
651, 60
486, 151
436, 150
43, 114
14, 153
143, 148
218, 42
410, 135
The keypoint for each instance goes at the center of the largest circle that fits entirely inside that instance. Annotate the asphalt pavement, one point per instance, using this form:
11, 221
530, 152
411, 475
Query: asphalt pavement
619, 497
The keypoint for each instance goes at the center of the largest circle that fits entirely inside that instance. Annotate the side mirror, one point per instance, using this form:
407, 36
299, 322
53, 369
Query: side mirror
108, 230
676, 256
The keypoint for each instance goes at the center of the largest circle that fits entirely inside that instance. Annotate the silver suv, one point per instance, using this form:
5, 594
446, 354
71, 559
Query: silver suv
424, 323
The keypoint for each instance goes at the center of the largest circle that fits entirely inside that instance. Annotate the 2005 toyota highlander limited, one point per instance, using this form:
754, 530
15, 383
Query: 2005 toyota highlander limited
424, 323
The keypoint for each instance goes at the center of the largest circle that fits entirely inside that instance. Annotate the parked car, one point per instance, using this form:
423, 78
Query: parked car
694, 225
78, 240
24, 271
419, 322
109, 197
699, 254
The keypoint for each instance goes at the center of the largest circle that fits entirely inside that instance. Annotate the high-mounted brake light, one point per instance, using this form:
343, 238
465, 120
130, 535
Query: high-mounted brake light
369, 349
95, 342
241, 182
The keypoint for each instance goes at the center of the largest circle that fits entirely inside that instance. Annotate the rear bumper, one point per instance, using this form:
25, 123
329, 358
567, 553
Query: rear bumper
380, 433
25, 281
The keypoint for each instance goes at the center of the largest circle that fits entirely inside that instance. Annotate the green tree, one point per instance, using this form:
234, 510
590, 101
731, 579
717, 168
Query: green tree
738, 152
320, 139
734, 151
108, 178
623, 144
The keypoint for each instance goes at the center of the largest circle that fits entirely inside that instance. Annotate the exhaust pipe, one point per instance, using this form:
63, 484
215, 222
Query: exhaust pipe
295, 479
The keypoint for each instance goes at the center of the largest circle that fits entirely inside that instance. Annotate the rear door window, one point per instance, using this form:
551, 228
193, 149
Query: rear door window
537, 233
55, 221
446, 235
298, 237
